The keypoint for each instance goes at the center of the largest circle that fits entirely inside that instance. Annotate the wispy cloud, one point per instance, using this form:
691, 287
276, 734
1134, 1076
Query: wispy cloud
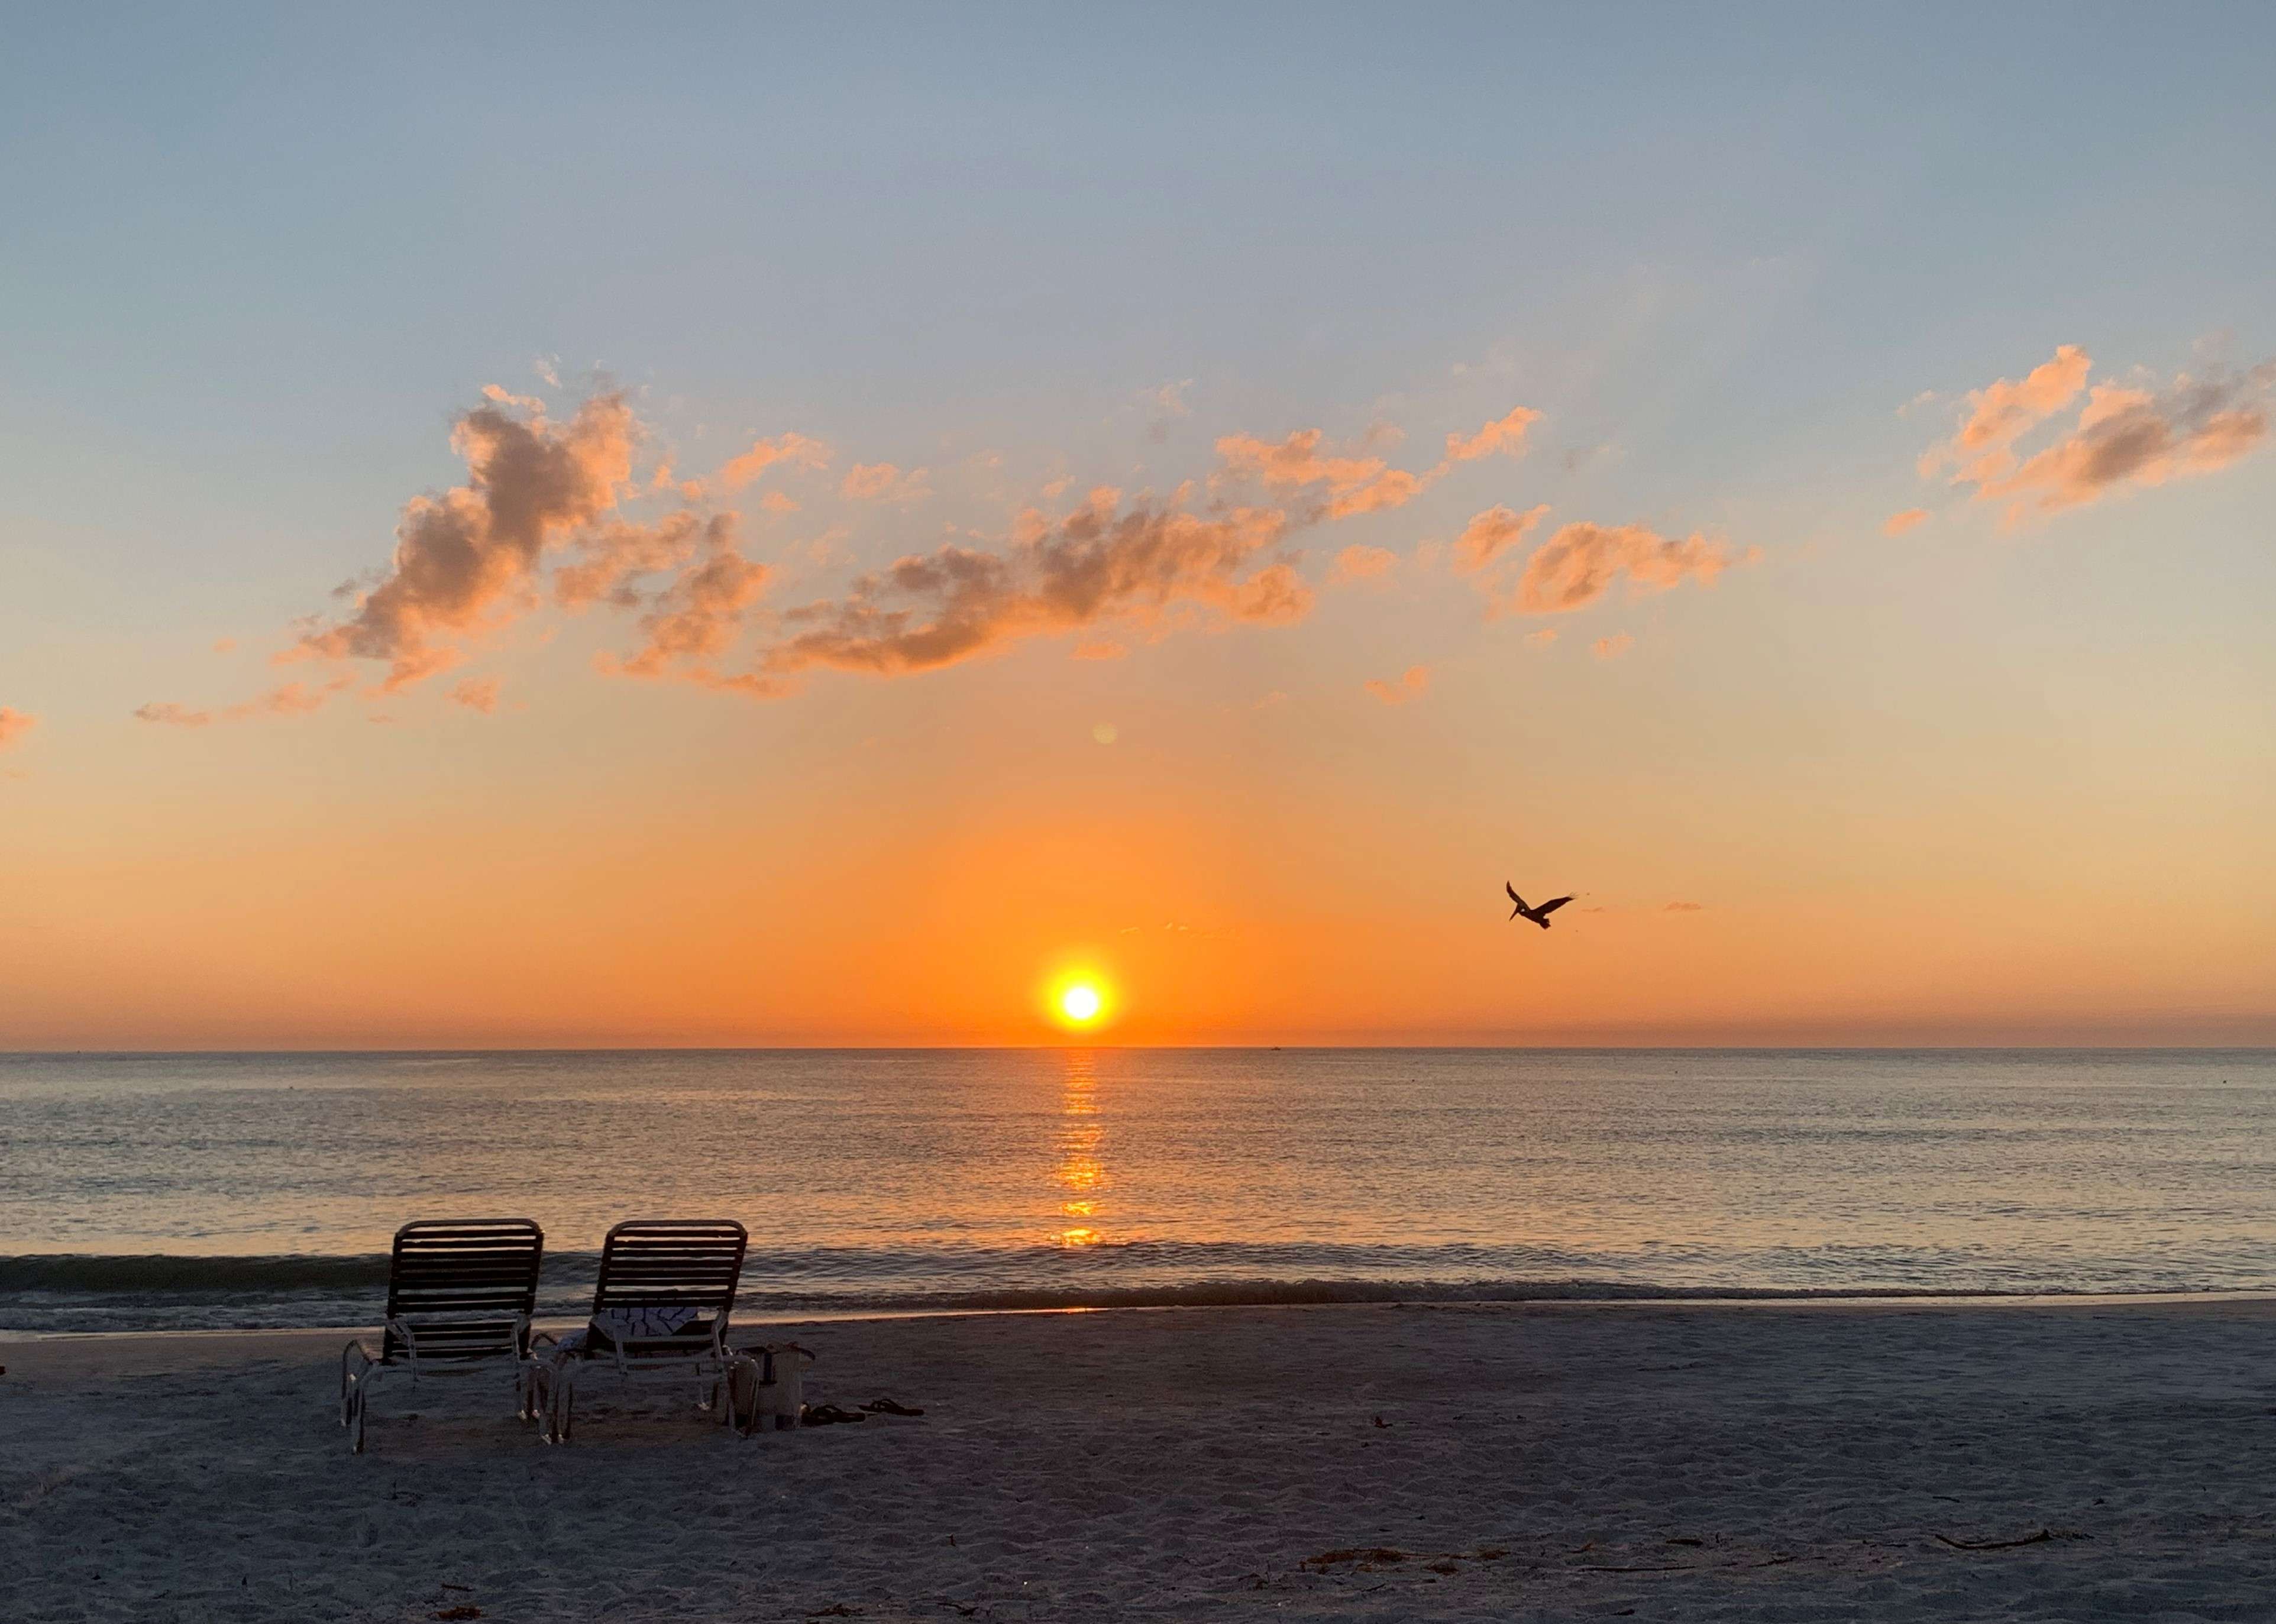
293, 699
476, 694
1582, 562
1504, 435
1491, 533
1359, 562
1107, 561
1412, 684
882, 482
2132, 436
14, 725
698, 617
1612, 647
1349, 481
2123, 436
2003, 411
797, 450
1898, 523
1352, 484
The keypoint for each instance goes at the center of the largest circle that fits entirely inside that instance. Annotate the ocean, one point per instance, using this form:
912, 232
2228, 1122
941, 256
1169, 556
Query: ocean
150, 1191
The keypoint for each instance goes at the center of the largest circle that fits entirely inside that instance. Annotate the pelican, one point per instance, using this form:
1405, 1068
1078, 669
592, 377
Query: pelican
1538, 915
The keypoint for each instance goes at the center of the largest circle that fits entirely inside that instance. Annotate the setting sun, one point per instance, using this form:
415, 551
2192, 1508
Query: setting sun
1080, 1003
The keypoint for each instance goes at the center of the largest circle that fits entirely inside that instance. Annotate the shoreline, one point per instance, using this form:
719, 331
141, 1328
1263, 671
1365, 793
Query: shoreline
273, 1341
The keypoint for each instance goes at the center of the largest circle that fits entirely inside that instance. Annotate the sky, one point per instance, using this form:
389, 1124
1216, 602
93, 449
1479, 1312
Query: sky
754, 526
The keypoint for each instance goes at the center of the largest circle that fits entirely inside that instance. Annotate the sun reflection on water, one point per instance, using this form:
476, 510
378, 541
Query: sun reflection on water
1082, 1176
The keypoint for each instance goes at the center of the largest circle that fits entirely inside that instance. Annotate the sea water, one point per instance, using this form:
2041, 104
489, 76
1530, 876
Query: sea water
152, 1191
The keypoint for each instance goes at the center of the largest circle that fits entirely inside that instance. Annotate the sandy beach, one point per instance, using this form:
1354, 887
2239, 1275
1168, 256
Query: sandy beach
2084, 1460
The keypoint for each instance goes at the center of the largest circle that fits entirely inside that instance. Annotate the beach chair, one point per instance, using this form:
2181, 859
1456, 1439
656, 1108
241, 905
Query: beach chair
660, 1308
459, 1295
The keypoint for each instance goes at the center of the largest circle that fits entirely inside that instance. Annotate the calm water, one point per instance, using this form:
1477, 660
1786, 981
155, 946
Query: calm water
144, 1191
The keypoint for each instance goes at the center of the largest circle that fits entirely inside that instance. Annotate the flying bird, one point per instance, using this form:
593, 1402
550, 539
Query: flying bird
1538, 915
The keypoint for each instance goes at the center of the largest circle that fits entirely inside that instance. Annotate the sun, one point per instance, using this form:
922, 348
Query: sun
1078, 998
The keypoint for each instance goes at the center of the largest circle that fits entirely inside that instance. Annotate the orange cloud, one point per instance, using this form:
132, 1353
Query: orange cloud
698, 616
1102, 563
2001, 412
1504, 435
1412, 684
464, 559
14, 725
1898, 523
2131, 436
1685, 908
1354, 484
1490, 534
1358, 563
613, 558
2122, 437
1612, 647
882, 482
795, 449
294, 699
477, 693
1579, 564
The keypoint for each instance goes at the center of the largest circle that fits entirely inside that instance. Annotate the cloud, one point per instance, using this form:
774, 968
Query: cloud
1353, 484
464, 560
1579, 564
1542, 638
224, 645
1685, 908
795, 449
1169, 405
882, 482
1358, 563
698, 615
611, 559
2001, 412
1612, 647
1413, 683
1490, 534
293, 699
1898, 523
2123, 436
2132, 436
1104, 562
477, 693
1504, 435
14, 725
1100, 648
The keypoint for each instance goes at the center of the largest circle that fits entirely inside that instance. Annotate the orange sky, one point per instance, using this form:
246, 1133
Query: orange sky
739, 570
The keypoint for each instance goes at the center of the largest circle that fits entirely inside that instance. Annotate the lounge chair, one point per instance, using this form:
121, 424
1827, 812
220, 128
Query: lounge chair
459, 1295
660, 1307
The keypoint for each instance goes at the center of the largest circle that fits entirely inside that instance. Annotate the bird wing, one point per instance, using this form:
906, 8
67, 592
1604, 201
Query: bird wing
1514, 897
1552, 904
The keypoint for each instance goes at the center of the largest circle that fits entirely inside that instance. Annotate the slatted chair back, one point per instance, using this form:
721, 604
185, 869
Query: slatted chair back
672, 1264
465, 1286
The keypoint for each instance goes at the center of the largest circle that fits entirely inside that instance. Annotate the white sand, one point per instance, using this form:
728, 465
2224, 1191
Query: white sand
1683, 1462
